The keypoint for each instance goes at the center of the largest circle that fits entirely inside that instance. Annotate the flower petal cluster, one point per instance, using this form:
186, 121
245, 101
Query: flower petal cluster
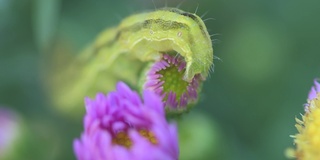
307, 141
165, 78
120, 126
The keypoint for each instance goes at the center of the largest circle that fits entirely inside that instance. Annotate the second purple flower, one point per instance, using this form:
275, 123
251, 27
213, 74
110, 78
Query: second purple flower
121, 126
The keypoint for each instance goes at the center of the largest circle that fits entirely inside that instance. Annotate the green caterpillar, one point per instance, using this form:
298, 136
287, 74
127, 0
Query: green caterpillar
139, 38
145, 35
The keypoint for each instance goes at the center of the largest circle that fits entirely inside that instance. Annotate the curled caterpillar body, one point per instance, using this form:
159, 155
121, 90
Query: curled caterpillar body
147, 35
120, 53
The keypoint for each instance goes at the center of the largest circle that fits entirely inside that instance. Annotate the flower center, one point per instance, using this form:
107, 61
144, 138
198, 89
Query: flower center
173, 81
123, 139
307, 140
165, 78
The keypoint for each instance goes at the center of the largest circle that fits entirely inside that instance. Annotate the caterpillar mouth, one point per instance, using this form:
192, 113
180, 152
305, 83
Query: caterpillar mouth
166, 78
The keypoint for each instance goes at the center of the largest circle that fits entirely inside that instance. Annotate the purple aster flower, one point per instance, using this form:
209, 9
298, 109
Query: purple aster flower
312, 94
9, 131
165, 78
314, 90
120, 126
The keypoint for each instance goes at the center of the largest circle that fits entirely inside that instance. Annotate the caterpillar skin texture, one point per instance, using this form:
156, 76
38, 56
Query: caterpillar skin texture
146, 35
141, 37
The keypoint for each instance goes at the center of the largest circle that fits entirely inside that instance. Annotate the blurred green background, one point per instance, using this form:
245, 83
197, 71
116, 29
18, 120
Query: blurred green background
267, 57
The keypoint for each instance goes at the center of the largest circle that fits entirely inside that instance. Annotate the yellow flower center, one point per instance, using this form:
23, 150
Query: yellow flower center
308, 139
123, 139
